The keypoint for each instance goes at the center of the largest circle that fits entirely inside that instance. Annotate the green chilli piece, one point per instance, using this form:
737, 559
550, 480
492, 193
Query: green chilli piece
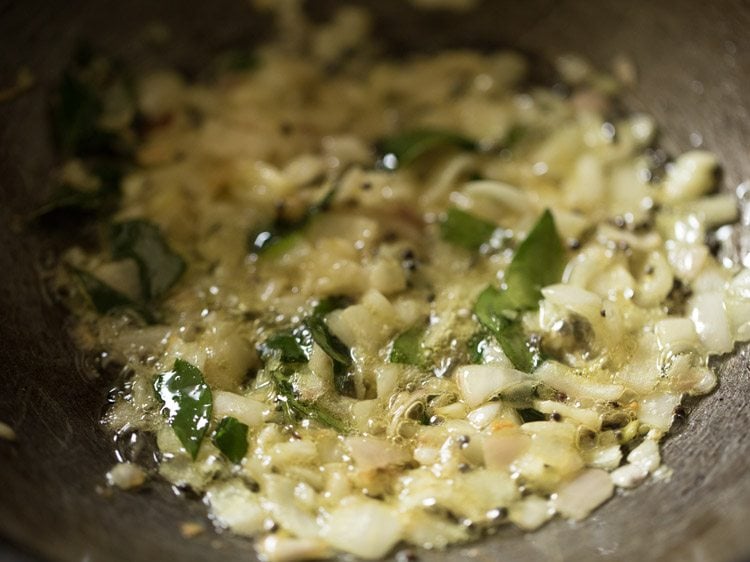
187, 403
230, 438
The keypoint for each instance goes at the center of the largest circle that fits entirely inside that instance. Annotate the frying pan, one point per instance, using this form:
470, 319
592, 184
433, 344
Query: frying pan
693, 59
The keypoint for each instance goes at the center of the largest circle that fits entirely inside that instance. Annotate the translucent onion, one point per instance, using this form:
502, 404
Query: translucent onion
479, 383
584, 493
365, 528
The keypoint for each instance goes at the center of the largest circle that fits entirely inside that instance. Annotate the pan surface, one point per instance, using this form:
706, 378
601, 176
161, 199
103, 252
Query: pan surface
693, 60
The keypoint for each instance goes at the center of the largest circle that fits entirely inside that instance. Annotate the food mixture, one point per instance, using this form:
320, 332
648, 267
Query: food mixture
363, 301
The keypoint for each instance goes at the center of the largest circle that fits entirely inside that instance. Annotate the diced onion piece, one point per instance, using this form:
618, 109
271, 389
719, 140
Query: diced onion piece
530, 513
564, 379
482, 416
293, 453
479, 383
285, 507
126, 475
676, 334
708, 313
235, 507
574, 299
6, 432
580, 496
502, 448
586, 417
276, 548
365, 528
656, 282
370, 453
431, 530
693, 174
246, 410
646, 455
629, 476
507, 195
657, 411
605, 457
740, 285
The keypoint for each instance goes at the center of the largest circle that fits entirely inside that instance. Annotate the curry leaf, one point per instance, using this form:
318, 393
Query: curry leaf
530, 415
475, 347
329, 304
494, 309
295, 345
79, 105
289, 345
332, 345
236, 60
408, 146
283, 233
408, 349
517, 347
67, 198
464, 229
106, 299
295, 409
336, 350
158, 266
538, 261
231, 439
186, 403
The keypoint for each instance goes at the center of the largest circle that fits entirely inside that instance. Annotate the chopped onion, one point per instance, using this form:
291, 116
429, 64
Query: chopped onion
565, 379
531, 512
479, 383
482, 416
276, 548
646, 455
246, 410
126, 475
502, 448
580, 496
708, 313
657, 411
690, 176
236, 507
370, 453
365, 528
629, 475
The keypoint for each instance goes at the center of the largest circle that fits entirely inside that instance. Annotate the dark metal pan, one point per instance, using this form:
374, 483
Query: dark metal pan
693, 59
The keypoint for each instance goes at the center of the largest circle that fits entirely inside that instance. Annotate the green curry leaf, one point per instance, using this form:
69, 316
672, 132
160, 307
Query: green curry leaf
295, 409
159, 267
106, 299
283, 233
538, 261
290, 345
530, 415
231, 439
465, 229
186, 403
408, 146
336, 350
408, 347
